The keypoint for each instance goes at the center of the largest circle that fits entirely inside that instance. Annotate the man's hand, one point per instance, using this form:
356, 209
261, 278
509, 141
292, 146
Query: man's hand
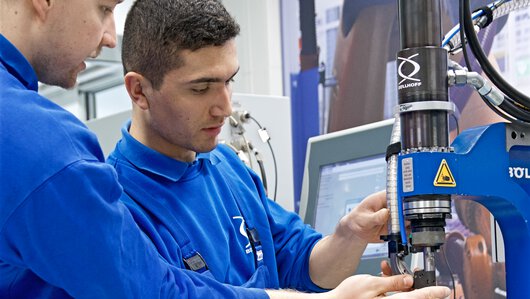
368, 221
366, 286
386, 270
336, 257
370, 287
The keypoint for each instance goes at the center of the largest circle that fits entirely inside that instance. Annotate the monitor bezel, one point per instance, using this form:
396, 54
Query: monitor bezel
341, 146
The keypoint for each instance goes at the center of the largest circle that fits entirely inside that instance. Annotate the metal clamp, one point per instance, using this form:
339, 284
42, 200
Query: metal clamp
426, 105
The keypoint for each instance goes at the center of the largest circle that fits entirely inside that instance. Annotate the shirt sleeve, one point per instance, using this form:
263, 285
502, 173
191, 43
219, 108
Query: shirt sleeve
74, 233
293, 242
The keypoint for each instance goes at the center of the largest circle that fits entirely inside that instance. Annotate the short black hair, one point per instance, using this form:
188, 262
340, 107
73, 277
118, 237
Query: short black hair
156, 31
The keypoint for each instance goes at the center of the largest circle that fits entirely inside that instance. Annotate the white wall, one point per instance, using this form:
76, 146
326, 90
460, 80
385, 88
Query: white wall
120, 13
259, 44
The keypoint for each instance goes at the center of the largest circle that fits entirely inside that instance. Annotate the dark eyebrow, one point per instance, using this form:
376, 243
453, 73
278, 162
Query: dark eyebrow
212, 79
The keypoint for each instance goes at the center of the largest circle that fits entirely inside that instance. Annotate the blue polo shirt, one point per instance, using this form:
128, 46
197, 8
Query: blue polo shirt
208, 206
63, 231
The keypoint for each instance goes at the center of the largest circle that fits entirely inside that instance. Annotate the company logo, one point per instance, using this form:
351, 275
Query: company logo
519, 172
243, 231
414, 82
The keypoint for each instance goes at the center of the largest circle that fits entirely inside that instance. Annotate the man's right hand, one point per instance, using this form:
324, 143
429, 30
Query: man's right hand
371, 287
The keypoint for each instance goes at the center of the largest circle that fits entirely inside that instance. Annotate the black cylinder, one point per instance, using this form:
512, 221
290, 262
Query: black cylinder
420, 23
422, 74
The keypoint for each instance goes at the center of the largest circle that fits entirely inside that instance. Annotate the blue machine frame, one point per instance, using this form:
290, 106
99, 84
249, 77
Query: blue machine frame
490, 165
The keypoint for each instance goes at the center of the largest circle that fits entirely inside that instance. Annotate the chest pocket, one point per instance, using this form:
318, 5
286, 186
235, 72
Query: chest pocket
191, 258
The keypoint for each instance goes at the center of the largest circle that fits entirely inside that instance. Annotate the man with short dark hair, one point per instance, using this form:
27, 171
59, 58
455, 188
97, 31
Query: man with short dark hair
199, 204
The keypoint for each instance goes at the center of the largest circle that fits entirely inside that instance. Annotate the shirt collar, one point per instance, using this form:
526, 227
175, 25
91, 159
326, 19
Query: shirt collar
152, 161
17, 64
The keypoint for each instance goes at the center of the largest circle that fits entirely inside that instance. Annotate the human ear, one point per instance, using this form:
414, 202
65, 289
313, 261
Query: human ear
139, 89
42, 7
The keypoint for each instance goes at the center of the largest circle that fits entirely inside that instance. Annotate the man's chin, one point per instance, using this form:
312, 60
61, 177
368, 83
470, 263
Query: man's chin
206, 149
68, 83
71, 81
71, 85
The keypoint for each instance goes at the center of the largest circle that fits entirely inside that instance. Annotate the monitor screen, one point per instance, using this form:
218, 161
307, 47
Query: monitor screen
341, 169
342, 186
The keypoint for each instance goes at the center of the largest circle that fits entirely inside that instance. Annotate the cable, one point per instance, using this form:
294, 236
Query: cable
273, 157
508, 6
452, 40
482, 17
456, 123
508, 109
513, 109
495, 240
261, 166
451, 274
262, 171
275, 172
462, 34
246, 144
510, 92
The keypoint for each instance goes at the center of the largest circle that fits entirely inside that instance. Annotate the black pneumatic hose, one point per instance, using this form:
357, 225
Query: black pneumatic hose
482, 59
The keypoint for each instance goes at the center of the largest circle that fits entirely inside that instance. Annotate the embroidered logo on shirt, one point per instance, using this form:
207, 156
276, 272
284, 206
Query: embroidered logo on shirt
242, 231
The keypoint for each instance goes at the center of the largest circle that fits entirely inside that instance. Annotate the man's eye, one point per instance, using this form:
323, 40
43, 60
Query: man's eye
201, 88
106, 9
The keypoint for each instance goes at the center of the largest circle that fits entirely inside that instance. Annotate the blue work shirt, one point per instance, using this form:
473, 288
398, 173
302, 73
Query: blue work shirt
208, 206
63, 231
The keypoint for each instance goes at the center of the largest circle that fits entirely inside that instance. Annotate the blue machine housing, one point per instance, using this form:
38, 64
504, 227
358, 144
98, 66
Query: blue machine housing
490, 165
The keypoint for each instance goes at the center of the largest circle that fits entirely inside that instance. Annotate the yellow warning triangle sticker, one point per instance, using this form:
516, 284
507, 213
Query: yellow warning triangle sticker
444, 177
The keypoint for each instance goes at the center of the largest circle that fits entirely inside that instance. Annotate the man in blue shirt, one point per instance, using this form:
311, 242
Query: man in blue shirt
203, 209
63, 231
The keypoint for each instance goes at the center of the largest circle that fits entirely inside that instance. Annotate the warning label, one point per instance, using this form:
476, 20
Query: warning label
444, 177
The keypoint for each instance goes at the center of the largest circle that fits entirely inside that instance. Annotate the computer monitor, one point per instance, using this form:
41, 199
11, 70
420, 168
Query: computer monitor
341, 169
